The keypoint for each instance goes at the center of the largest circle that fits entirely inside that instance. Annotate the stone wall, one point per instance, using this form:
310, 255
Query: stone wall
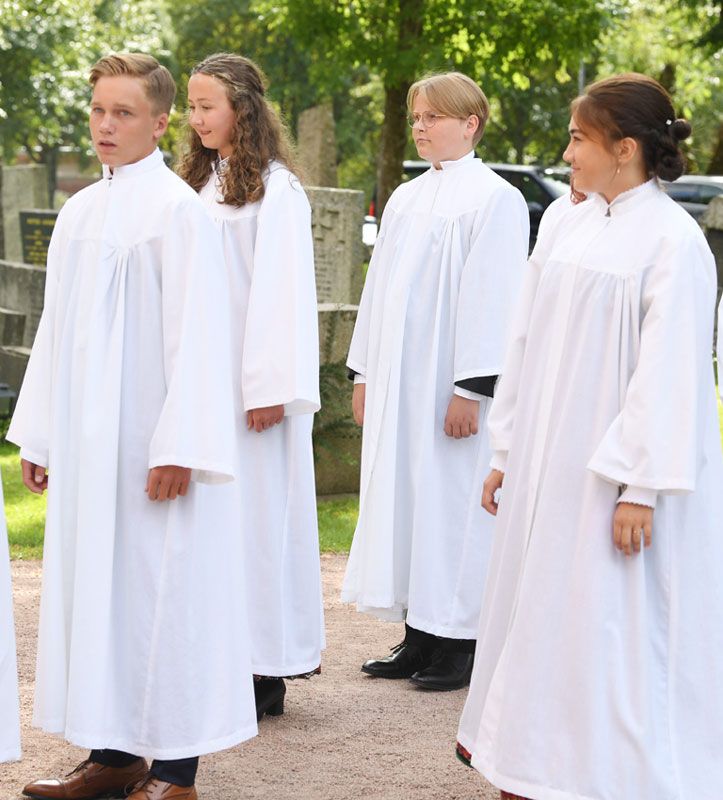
316, 143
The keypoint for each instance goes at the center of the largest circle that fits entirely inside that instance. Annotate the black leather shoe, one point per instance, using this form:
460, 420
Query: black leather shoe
405, 661
447, 671
269, 694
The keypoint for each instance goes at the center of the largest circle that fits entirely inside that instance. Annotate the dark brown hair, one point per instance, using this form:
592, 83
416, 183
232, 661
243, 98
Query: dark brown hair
636, 106
159, 83
259, 135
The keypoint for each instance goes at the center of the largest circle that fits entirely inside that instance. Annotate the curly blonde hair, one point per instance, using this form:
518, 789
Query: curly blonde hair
259, 136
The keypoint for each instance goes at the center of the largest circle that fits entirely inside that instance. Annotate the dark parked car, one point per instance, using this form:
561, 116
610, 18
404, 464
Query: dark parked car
694, 192
538, 188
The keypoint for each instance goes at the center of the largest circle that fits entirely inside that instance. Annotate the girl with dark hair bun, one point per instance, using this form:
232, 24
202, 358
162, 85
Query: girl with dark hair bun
239, 160
601, 633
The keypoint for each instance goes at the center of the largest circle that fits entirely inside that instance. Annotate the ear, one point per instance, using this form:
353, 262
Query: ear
160, 126
471, 126
627, 150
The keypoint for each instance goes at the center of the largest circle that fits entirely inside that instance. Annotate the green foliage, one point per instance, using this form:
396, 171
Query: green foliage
661, 38
46, 50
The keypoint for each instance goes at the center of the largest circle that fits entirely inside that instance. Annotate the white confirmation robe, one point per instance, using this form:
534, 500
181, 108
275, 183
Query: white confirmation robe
275, 350
441, 284
9, 706
596, 676
141, 646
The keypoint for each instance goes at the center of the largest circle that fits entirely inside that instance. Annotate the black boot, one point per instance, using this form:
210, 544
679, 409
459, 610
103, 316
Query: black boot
269, 694
451, 668
410, 656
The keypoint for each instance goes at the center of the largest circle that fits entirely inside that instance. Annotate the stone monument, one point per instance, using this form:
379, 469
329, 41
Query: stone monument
21, 187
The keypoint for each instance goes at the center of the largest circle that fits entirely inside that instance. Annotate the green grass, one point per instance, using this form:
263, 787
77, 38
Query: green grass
26, 512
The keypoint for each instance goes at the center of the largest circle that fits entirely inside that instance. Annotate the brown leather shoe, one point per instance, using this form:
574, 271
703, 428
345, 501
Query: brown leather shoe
87, 781
153, 789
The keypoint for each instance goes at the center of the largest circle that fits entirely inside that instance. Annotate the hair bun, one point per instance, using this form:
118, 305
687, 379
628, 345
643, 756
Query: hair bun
680, 129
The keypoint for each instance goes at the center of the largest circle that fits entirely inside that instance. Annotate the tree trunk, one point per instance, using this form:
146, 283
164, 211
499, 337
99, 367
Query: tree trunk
394, 129
715, 167
393, 143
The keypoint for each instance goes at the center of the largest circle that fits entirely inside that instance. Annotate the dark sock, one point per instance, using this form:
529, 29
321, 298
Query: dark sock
112, 758
180, 772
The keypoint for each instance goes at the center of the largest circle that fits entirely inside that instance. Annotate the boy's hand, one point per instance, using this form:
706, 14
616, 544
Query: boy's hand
358, 398
35, 477
166, 483
492, 483
462, 417
260, 419
632, 527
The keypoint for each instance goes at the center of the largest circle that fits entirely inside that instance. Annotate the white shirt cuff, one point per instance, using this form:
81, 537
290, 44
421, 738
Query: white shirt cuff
499, 460
467, 394
639, 496
359, 379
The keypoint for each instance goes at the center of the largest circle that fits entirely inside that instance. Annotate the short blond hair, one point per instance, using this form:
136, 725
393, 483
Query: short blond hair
454, 94
158, 81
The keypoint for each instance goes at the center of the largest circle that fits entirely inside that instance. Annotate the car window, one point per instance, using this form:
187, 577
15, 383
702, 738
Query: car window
531, 190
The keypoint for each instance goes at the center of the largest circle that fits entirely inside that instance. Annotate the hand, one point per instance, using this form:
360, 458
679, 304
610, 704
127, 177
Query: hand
261, 419
358, 399
632, 525
462, 417
492, 483
166, 483
35, 477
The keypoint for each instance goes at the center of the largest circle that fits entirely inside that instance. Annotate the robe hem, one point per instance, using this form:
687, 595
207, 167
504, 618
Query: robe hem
292, 407
521, 788
12, 754
299, 668
202, 472
90, 741
441, 630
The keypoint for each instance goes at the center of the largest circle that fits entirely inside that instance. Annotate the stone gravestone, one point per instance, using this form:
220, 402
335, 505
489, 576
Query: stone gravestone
36, 228
317, 145
339, 255
23, 186
337, 216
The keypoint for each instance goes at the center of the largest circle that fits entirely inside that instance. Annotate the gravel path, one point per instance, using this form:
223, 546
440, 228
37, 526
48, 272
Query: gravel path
343, 736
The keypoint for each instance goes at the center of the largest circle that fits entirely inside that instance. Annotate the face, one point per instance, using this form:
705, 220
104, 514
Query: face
123, 124
449, 138
594, 166
210, 113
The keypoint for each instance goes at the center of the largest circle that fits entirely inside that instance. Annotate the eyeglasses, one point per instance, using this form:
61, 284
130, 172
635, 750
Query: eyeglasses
428, 119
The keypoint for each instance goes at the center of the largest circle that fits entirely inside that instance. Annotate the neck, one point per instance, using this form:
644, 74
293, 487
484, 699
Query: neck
225, 151
623, 183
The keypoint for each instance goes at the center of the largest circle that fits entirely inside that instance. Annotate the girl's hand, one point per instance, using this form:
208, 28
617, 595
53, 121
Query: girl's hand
167, 483
357, 402
492, 483
632, 526
260, 419
462, 417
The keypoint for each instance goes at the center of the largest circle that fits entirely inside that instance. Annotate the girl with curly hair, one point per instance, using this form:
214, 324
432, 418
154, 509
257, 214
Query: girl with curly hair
239, 161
